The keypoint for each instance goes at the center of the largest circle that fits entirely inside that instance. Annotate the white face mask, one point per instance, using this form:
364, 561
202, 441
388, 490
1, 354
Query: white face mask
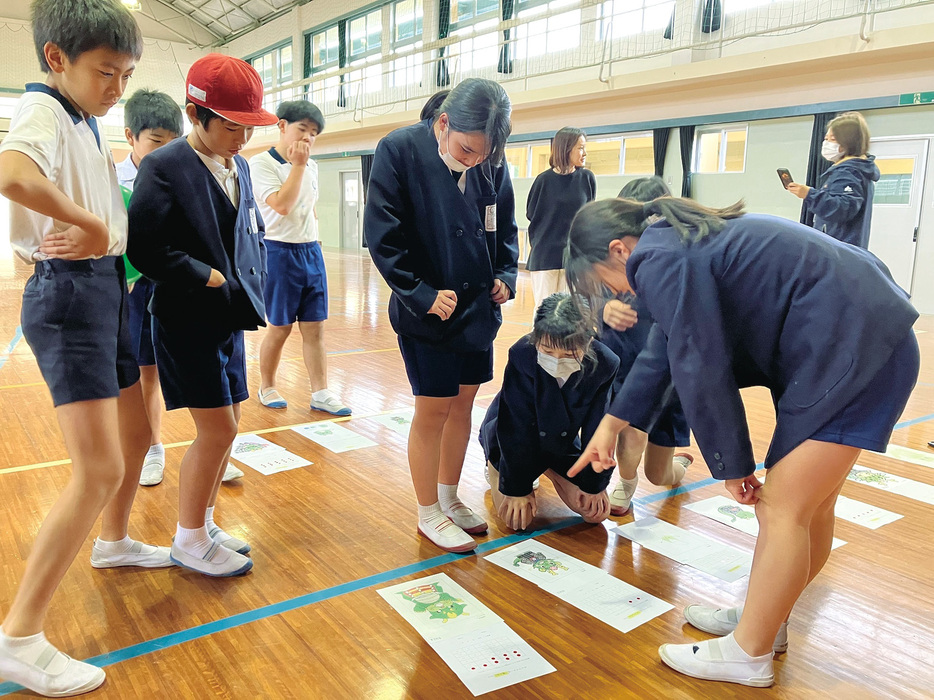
559, 368
831, 151
453, 164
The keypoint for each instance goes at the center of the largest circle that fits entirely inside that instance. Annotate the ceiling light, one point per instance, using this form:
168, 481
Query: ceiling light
132, 5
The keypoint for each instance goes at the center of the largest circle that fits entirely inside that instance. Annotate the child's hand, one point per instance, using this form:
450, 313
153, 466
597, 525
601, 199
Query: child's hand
744, 490
299, 153
444, 305
517, 511
216, 279
500, 292
78, 242
599, 453
619, 315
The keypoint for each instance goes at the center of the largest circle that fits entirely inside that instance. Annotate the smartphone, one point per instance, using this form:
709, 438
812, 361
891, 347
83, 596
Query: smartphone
785, 176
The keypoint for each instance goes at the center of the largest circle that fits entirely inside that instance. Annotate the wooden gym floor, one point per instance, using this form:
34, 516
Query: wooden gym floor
307, 621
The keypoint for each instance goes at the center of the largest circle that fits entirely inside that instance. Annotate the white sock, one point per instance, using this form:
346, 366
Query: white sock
321, 395
447, 497
196, 542
157, 450
119, 547
214, 530
731, 650
30, 649
432, 516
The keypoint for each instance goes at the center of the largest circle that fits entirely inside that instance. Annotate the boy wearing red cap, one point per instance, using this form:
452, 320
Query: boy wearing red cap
196, 232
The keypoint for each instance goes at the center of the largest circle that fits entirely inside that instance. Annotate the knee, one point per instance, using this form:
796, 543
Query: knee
103, 482
312, 330
433, 417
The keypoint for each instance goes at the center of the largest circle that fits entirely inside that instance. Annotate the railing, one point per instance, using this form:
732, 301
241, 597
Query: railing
563, 36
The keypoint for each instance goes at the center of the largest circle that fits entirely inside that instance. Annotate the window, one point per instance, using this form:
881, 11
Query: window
406, 21
517, 160
467, 11
324, 49
720, 150
274, 66
325, 90
894, 187
365, 34
619, 18
370, 77
628, 154
549, 35
476, 52
541, 154
407, 69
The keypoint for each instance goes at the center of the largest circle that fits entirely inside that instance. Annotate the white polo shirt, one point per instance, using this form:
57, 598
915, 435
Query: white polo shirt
126, 172
269, 172
71, 153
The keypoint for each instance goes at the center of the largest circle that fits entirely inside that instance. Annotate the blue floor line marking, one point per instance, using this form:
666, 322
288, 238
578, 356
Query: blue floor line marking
175, 638
17, 336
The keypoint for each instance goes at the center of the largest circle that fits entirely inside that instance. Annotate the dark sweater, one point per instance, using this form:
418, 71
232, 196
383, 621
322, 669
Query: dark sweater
553, 201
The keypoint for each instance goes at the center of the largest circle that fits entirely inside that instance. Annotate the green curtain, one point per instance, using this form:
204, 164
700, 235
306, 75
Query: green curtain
505, 57
713, 13
442, 76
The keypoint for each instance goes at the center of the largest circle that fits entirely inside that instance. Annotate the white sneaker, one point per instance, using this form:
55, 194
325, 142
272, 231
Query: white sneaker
621, 496
448, 536
271, 398
329, 402
145, 555
536, 484
153, 470
719, 659
232, 473
228, 541
71, 677
468, 521
722, 621
219, 561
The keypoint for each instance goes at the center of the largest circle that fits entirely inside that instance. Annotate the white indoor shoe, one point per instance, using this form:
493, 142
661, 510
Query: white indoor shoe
448, 536
720, 659
722, 621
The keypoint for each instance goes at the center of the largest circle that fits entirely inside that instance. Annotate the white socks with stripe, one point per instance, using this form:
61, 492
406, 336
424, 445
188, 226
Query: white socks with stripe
195, 542
37, 665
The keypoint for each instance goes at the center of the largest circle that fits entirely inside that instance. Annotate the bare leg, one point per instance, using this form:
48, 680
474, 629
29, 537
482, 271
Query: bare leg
135, 433
456, 435
204, 462
424, 451
270, 354
314, 354
225, 459
152, 397
92, 436
629, 448
659, 465
794, 509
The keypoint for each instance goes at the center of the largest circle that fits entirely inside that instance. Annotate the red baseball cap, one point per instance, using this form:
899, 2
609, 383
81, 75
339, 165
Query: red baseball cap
229, 87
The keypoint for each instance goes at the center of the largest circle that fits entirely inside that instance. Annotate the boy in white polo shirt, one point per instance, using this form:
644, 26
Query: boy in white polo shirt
68, 220
285, 184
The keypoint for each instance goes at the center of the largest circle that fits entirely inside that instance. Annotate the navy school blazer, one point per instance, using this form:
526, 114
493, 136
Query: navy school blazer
424, 235
182, 224
533, 421
765, 302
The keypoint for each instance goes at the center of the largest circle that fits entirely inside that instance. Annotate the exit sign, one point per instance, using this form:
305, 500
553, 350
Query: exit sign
916, 98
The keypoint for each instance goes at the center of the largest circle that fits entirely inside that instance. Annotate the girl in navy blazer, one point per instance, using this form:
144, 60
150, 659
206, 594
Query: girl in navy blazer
555, 391
440, 224
625, 330
750, 300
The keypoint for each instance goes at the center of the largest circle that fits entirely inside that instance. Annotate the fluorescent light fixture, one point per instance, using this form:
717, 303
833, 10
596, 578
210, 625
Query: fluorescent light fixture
132, 5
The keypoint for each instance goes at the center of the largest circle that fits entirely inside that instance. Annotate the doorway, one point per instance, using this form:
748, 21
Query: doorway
351, 216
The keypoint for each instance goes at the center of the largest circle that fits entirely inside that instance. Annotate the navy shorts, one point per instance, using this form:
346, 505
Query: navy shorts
141, 322
75, 319
296, 283
868, 421
441, 373
198, 367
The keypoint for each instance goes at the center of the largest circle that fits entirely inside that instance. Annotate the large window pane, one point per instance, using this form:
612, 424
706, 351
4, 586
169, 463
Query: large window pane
603, 156
407, 16
517, 160
708, 153
734, 160
285, 65
639, 156
540, 156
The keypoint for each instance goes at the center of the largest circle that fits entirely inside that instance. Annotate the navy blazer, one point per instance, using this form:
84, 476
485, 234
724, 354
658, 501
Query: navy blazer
765, 302
842, 203
182, 224
425, 235
533, 422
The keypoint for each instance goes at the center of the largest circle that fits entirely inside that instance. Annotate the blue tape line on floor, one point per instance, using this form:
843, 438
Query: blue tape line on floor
193, 633
17, 336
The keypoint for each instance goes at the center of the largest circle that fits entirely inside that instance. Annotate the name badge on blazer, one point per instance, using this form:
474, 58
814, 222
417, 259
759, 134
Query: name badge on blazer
254, 226
490, 218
